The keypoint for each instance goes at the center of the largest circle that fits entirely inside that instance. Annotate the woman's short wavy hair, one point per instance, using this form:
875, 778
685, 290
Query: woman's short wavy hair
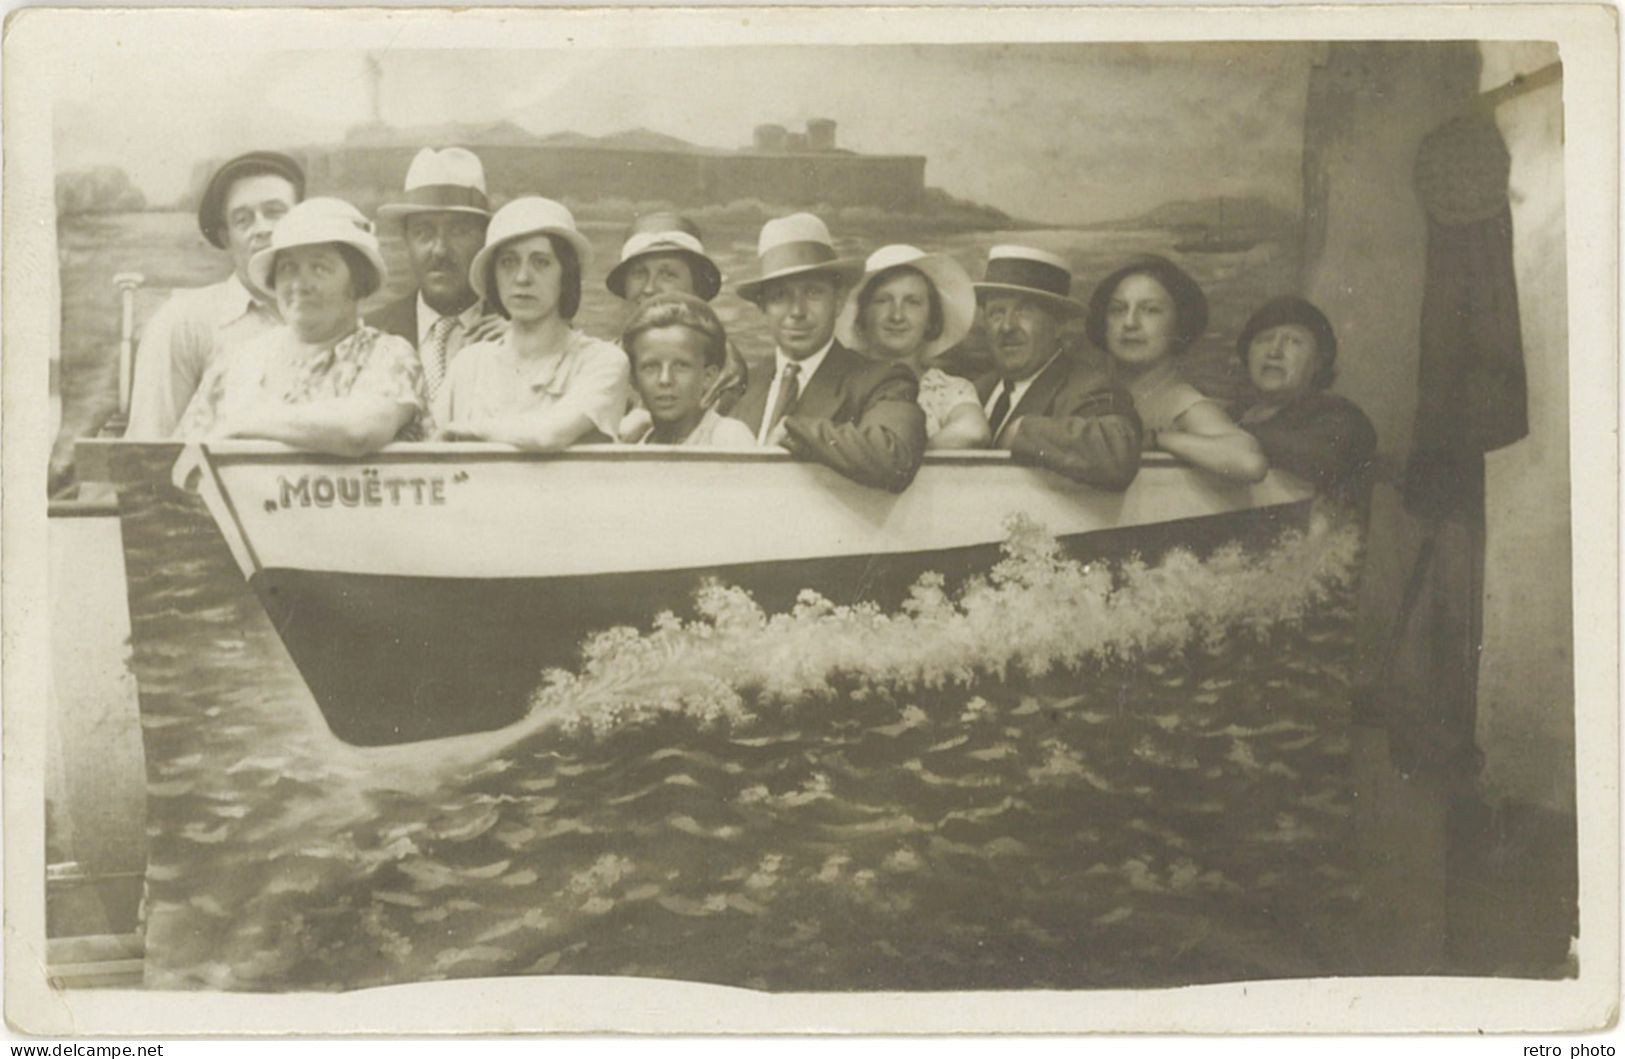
678, 310
569, 281
1190, 304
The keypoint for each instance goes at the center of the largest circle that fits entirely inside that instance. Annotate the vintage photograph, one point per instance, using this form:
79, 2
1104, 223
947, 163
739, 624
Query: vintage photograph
806, 516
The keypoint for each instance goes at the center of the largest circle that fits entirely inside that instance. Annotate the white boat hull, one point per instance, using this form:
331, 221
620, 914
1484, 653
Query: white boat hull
471, 511
423, 591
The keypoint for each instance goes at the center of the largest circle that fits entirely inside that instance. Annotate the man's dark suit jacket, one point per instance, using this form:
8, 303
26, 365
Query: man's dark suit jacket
858, 416
397, 318
1073, 420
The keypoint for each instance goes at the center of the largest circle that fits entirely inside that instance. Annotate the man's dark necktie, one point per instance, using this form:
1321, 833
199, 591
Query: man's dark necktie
789, 391
1001, 409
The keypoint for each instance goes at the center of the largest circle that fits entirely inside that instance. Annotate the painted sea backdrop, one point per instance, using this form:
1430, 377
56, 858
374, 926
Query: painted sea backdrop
1066, 773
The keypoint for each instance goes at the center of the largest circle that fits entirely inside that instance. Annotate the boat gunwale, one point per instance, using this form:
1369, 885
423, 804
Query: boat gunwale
81, 509
446, 451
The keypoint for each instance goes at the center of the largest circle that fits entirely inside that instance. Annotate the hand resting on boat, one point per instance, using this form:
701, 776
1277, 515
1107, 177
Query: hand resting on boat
965, 428
634, 426
1210, 439
550, 429
1086, 430
342, 426
881, 445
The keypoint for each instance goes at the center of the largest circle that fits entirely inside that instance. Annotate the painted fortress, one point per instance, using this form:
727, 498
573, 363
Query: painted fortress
780, 166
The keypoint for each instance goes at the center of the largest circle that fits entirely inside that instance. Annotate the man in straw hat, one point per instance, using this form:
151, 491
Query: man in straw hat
821, 400
240, 208
1041, 405
443, 214
663, 254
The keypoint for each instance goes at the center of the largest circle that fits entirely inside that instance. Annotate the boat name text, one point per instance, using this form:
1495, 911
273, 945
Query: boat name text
367, 489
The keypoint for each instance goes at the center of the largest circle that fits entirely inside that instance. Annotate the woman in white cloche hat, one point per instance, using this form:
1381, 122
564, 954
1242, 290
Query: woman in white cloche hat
542, 386
912, 307
323, 380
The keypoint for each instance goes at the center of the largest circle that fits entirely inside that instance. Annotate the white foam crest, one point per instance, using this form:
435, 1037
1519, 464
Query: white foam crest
1036, 612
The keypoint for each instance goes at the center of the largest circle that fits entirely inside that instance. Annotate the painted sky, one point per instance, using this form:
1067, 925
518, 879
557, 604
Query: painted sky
1056, 132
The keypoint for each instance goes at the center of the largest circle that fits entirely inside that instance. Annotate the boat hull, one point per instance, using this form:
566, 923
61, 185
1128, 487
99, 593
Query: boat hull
428, 657
436, 611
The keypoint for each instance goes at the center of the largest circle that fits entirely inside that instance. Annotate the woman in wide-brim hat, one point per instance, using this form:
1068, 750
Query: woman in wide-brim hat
1146, 315
543, 385
1290, 351
911, 306
323, 380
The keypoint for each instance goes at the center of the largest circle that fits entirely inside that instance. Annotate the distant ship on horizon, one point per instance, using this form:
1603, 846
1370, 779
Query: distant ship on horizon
1213, 239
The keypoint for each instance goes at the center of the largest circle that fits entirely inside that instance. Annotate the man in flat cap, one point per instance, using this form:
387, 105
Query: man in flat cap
443, 214
1042, 406
241, 205
817, 398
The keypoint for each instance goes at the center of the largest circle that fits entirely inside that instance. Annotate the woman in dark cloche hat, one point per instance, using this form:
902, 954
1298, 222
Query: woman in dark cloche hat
1290, 352
1146, 315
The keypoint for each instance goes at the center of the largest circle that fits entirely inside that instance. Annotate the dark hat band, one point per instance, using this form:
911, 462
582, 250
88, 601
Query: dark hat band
707, 276
444, 197
1025, 272
806, 254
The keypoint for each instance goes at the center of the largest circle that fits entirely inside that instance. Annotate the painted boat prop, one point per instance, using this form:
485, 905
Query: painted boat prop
422, 592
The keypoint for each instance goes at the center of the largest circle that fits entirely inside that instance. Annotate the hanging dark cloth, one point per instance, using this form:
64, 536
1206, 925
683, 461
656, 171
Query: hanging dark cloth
1472, 398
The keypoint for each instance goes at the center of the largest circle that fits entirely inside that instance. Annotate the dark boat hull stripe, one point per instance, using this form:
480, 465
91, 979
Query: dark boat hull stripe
394, 659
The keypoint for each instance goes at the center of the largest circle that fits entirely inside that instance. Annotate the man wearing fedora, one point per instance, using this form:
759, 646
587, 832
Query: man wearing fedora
1043, 406
443, 214
819, 399
663, 254
240, 207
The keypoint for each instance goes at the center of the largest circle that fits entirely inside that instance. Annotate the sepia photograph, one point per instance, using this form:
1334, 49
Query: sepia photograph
779, 506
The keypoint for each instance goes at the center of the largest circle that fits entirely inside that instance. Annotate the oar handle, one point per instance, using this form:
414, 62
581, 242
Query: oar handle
127, 283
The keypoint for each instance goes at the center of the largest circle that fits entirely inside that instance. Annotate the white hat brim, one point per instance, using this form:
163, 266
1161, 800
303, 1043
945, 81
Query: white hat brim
477, 270
846, 268
259, 266
397, 210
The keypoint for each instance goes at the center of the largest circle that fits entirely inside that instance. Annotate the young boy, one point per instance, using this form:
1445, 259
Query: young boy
678, 347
